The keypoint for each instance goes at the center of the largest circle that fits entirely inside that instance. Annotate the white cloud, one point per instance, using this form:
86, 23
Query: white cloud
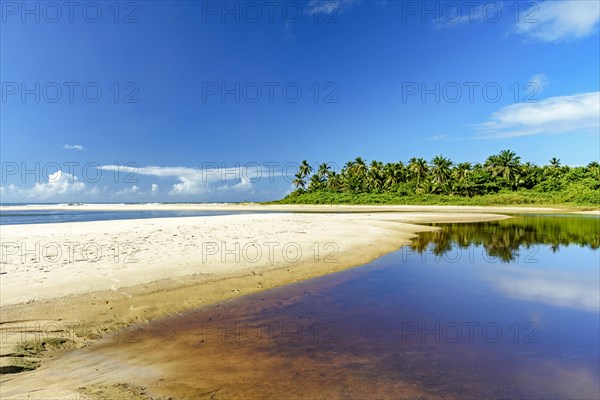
552, 21
243, 185
540, 81
133, 190
323, 11
328, 7
549, 286
193, 181
579, 113
188, 186
210, 182
58, 184
73, 147
439, 137
9, 190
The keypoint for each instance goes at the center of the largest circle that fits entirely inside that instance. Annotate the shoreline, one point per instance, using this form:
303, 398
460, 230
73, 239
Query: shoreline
101, 298
312, 208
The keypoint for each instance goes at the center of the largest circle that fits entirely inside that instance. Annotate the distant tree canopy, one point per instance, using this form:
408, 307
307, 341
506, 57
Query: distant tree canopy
502, 172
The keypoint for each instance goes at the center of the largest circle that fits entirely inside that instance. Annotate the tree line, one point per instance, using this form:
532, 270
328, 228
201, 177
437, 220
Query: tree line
502, 172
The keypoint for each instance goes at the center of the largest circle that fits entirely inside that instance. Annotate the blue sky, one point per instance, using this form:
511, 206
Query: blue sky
219, 101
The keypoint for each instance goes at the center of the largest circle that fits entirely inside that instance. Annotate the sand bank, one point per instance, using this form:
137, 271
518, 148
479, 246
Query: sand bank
45, 261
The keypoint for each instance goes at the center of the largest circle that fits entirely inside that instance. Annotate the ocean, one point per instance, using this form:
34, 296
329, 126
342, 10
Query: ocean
39, 215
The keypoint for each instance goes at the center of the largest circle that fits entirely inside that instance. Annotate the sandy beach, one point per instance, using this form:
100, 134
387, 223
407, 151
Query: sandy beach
104, 275
45, 261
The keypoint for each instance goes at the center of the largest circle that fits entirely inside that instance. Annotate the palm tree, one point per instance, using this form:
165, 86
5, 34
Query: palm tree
427, 186
316, 183
347, 169
508, 164
441, 170
375, 176
354, 175
528, 175
393, 174
499, 172
305, 169
324, 171
462, 171
334, 181
594, 168
491, 164
299, 182
360, 166
460, 175
418, 168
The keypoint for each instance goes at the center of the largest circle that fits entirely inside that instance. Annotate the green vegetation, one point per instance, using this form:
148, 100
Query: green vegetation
504, 239
501, 180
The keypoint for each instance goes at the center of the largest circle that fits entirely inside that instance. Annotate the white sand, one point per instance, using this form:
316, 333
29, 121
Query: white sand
43, 261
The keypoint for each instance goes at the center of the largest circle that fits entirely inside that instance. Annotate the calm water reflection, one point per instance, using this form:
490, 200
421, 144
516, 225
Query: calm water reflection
508, 309
507, 239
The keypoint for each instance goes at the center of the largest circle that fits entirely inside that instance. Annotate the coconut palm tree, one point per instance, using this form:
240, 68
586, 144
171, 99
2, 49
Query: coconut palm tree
347, 169
355, 175
427, 186
360, 166
491, 164
305, 169
461, 171
299, 182
554, 162
500, 171
324, 171
393, 174
375, 177
528, 176
508, 164
459, 181
441, 170
334, 181
594, 168
316, 183
418, 168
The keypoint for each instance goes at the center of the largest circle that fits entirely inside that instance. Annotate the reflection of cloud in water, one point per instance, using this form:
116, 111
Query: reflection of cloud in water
552, 287
564, 378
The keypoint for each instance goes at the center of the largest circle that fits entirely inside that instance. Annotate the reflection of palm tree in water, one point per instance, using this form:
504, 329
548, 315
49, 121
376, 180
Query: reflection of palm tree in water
503, 239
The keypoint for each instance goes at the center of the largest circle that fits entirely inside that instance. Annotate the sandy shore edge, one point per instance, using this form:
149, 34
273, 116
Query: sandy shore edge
329, 208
